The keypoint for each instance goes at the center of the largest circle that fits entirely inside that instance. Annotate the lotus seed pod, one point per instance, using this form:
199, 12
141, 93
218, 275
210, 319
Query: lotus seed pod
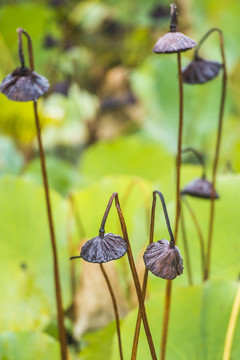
173, 42
163, 259
200, 71
104, 248
24, 85
200, 188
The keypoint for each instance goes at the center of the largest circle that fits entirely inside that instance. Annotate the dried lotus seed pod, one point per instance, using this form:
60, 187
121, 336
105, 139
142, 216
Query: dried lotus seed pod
163, 259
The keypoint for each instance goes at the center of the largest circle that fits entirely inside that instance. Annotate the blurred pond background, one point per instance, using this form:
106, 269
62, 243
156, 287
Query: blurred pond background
109, 123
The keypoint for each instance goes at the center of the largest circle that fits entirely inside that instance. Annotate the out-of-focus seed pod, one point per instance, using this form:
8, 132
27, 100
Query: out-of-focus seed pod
24, 85
200, 71
201, 188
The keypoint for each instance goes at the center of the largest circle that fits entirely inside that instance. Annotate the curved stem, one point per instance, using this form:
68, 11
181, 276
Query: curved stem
217, 152
145, 279
144, 285
62, 334
20, 48
136, 280
232, 326
199, 231
60, 315
115, 308
199, 157
185, 244
178, 208
30, 48
102, 228
156, 192
202, 40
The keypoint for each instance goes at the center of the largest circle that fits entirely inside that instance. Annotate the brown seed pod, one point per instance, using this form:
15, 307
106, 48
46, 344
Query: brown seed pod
104, 248
163, 259
24, 85
201, 188
173, 42
200, 71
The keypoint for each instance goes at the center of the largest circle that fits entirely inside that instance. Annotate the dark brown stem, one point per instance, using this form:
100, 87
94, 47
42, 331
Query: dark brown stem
172, 241
30, 48
217, 152
185, 244
62, 334
145, 279
81, 233
199, 157
199, 231
173, 18
140, 184
136, 280
102, 228
178, 207
60, 315
168, 293
20, 48
115, 308
144, 286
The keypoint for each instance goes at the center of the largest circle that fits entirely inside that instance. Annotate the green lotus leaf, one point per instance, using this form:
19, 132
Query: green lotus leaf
27, 284
28, 346
198, 323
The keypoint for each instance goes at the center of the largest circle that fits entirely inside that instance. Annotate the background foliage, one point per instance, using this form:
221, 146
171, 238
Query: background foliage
110, 124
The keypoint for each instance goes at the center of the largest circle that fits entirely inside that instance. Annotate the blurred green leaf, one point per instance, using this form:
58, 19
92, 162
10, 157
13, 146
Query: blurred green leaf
11, 159
27, 287
98, 344
62, 176
28, 346
198, 323
130, 156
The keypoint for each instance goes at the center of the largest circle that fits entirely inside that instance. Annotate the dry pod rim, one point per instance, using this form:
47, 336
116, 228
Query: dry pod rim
104, 248
201, 188
173, 42
24, 85
200, 71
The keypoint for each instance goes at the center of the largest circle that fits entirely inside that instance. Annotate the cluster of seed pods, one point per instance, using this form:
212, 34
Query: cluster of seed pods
161, 258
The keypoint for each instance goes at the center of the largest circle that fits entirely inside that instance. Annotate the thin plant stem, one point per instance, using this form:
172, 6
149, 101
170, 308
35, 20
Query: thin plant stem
102, 231
72, 275
115, 308
60, 315
199, 232
136, 280
199, 157
81, 234
232, 326
102, 228
144, 286
217, 151
185, 244
178, 208
135, 182
145, 278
